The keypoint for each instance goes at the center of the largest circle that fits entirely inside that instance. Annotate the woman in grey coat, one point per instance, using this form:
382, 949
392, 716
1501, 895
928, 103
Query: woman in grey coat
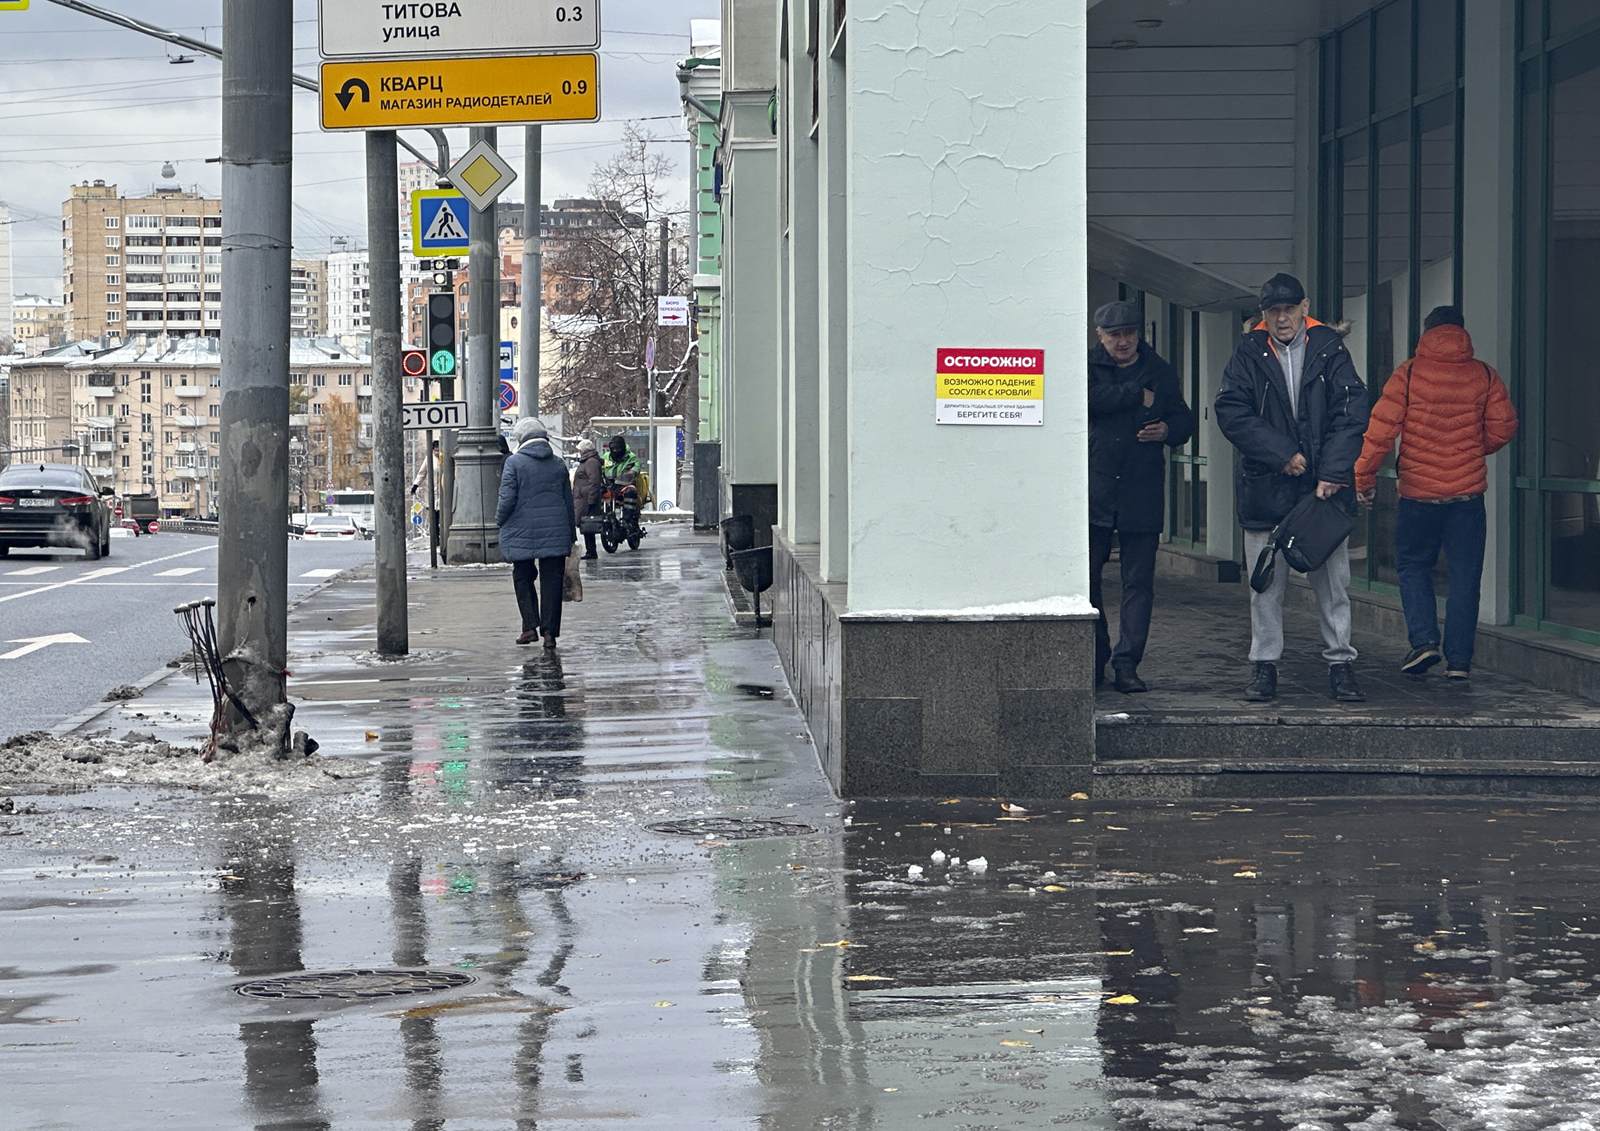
536, 529
586, 487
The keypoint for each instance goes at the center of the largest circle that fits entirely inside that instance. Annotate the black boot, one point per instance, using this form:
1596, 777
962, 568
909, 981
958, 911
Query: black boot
1342, 684
1263, 685
1127, 681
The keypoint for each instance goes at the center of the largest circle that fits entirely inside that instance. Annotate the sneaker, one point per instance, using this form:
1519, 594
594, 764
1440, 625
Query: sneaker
1458, 673
1263, 685
1421, 659
528, 637
1342, 684
1127, 681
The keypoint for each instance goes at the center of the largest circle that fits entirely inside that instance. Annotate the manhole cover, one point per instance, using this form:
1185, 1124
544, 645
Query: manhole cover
730, 828
354, 985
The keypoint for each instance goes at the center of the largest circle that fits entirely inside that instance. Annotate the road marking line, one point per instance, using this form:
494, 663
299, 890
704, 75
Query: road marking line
97, 573
35, 643
31, 570
181, 571
321, 572
104, 571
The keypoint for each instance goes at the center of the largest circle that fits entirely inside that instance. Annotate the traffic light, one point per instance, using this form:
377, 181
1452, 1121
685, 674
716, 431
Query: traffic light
414, 363
442, 334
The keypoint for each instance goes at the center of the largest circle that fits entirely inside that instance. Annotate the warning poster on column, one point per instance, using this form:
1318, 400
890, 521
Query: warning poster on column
989, 386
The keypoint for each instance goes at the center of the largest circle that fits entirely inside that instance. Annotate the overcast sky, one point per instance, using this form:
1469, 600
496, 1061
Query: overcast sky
83, 100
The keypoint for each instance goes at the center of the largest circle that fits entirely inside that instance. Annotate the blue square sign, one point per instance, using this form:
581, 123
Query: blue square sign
441, 223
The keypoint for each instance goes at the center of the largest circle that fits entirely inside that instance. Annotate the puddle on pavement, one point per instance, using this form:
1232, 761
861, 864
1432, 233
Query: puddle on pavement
1268, 966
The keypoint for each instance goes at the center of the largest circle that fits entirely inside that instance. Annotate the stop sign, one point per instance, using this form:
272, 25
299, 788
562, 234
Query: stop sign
118, 512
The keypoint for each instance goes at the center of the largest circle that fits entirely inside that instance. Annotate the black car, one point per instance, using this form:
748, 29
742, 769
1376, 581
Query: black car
53, 504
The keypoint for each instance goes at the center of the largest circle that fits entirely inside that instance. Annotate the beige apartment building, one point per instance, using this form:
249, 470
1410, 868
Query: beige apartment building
38, 323
308, 298
144, 417
141, 265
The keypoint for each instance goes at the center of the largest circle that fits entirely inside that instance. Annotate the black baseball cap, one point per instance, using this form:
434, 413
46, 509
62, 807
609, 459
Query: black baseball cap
1118, 316
1282, 289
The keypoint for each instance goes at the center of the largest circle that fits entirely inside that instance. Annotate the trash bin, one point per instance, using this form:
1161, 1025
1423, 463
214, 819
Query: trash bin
738, 533
754, 569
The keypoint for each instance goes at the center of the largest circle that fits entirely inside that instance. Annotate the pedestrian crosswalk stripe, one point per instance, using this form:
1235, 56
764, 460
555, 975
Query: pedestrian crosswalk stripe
319, 573
31, 570
182, 571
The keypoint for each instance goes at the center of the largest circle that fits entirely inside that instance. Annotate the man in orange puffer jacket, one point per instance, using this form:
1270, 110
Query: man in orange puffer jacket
1449, 411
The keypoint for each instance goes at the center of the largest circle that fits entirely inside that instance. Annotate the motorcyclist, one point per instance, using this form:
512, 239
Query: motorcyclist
620, 463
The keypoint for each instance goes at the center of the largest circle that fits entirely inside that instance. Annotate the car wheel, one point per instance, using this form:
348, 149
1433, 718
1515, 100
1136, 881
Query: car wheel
105, 543
92, 552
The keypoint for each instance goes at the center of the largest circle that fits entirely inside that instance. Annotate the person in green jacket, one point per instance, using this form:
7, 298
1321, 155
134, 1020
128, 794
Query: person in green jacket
620, 463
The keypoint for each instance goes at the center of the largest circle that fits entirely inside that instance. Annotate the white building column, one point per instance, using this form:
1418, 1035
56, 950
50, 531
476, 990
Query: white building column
947, 185
1489, 250
833, 504
799, 502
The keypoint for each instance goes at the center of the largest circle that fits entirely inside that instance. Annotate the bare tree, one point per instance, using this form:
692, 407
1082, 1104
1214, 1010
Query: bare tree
607, 278
337, 440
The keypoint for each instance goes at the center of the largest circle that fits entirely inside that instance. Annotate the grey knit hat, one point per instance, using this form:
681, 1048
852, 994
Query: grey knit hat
528, 428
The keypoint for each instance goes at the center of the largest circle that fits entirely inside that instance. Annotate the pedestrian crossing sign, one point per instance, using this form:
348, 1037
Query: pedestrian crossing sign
441, 222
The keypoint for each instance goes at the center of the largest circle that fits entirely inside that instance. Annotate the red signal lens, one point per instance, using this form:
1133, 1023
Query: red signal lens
413, 363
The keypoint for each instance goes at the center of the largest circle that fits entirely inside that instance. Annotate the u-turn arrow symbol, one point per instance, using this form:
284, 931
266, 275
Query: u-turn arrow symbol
348, 92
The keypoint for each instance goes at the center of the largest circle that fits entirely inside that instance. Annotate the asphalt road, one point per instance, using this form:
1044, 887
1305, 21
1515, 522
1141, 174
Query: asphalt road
122, 607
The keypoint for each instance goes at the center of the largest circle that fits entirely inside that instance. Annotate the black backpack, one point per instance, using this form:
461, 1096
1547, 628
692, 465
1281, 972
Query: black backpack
1306, 537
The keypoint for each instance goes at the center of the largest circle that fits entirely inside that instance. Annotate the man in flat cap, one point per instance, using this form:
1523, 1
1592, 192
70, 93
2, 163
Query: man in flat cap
1135, 406
1293, 405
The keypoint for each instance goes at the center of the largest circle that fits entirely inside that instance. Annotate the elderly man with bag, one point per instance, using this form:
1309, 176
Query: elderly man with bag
1135, 407
1449, 411
536, 529
1293, 405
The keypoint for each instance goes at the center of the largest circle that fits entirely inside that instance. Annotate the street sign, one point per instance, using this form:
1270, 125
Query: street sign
362, 29
508, 361
482, 175
441, 223
433, 414
508, 396
22, 6
672, 310
496, 91
650, 354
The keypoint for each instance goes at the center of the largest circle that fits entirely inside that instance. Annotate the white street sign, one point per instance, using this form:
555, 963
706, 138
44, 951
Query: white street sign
453, 29
433, 414
672, 310
481, 175
34, 643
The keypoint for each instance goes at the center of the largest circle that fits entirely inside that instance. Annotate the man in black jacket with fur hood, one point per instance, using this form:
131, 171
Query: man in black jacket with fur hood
1135, 406
1293, 405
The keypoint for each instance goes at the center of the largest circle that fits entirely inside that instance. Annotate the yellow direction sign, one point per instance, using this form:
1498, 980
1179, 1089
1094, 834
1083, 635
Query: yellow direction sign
502, 90
13, 5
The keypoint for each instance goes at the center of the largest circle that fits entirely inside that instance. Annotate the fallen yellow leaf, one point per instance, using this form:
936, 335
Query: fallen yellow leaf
840, 943
1054, 887
1010, 808
868, 978
372, 736
1125, 999
1016, 1044
1245, 875
1079, 797
1116, 953
952, 801
663, 1004
1118, 828
1035, 1031
1425, 946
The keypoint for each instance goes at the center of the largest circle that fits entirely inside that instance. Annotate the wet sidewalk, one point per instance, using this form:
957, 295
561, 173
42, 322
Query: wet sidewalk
518, 844
1192, 733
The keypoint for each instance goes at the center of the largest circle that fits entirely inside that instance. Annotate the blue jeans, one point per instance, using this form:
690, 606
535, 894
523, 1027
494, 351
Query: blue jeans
1421, 530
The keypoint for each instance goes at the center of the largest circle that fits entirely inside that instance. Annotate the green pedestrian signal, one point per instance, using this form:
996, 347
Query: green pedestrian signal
442, 333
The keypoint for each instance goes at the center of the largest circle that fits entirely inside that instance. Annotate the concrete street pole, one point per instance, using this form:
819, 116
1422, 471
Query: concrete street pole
532, 267
473, 534
388, 438
252, 534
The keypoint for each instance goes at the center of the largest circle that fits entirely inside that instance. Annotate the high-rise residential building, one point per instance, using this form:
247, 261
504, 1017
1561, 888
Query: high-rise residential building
349, 293
38, 323
308, 298
141, 265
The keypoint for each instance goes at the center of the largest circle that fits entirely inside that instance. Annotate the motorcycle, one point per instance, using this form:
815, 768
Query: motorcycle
619, 516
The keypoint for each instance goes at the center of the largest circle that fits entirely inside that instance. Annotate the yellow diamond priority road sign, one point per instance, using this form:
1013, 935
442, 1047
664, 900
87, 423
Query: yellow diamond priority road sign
499, 90
481, 175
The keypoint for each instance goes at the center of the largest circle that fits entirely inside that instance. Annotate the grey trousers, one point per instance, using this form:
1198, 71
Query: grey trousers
1331, 584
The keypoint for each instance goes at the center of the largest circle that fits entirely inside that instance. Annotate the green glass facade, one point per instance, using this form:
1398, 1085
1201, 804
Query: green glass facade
1389, 207
1556, 567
